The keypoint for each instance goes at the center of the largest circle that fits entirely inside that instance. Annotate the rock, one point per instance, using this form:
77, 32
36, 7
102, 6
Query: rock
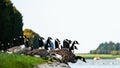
53, 65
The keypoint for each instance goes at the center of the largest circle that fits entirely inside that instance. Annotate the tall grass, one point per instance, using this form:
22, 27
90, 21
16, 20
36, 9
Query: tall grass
19, 61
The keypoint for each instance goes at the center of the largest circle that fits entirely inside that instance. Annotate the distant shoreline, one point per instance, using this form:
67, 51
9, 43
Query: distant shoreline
102, 56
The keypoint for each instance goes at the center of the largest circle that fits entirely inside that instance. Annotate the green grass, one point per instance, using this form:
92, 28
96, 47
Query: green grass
19, 61
102, 56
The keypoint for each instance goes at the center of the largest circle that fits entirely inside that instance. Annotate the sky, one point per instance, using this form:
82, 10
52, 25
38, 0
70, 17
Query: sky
90, 22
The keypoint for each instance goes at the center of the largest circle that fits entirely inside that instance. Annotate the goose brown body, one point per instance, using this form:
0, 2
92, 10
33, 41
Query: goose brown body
66, 55
40, 52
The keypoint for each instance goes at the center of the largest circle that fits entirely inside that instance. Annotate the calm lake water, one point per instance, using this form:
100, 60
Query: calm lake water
103, 63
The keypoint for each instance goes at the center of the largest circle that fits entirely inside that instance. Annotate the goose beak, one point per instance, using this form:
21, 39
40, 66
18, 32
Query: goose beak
51, 38
42, 38
85, 61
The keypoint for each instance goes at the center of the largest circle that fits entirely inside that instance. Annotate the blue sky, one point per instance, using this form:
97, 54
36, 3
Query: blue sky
91, 22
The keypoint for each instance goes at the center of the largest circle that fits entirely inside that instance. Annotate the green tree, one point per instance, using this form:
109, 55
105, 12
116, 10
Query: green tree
33, 37
107, 48
10, 22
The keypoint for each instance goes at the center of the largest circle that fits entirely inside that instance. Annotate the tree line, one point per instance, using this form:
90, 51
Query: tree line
107, 48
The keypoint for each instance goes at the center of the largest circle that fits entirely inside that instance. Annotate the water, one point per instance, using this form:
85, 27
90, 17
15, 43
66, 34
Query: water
103, 63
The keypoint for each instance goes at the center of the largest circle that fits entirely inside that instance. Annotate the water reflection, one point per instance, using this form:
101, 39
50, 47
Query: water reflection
103, 63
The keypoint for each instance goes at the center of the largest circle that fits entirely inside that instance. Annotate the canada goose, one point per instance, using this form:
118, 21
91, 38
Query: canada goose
16, 49
73, 46
19, 49
66, 43
41, 43
27, 49
49, 43
57, 43
39, 52
66, 55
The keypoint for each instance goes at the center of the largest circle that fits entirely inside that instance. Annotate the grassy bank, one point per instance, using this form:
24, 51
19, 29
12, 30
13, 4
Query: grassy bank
19, 61
102, 56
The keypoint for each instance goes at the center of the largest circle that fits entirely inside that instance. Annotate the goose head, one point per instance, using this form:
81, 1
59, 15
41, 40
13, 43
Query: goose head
80, 58
57, 40
41, 38
76, 42
49, 38
69, 41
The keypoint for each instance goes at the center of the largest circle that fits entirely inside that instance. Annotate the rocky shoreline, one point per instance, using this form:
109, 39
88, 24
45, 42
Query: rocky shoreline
53, 65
